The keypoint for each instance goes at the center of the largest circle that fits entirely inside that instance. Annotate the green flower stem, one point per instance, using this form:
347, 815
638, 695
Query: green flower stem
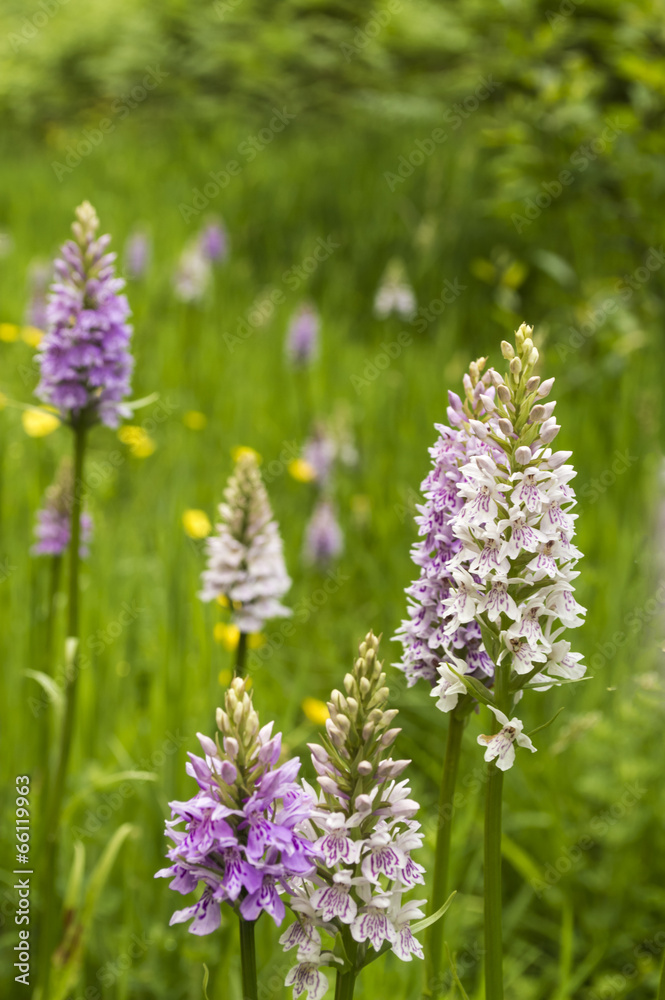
248, 959
345, 985
493, 934
433, 950
241, 655
50, 911
493, 898
45, 729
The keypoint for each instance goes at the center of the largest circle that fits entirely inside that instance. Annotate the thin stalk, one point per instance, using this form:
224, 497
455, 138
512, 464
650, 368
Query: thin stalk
45, 728
442, 855
241, 655
54, 587
493, 897
248, 960
50, 911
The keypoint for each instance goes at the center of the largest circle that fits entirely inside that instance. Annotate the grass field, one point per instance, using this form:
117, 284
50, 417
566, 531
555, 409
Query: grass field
586, 813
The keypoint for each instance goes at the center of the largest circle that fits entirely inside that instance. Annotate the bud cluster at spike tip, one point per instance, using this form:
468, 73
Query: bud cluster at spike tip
513, 574
240, 838
84, 359
245, 556
426, 641
364, 831
53, 528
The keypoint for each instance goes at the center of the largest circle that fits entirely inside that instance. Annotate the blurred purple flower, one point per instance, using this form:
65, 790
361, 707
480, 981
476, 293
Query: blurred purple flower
84, 358
324, 540
53, 528
302, 339
214, 241
137, 254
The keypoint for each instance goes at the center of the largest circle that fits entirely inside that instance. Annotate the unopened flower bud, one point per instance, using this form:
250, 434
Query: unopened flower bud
228, 772
319, 752
507, 350
558, 458
497, 378
533, 383
350, 685
390, 737
549, 408
549, 431
328, 784
478, 428
523, 455
365, 768
515, 367
368, 730
545, 388
208, 746
389, 715
343, 722
336, 736
506, 426
231, 747
253, 723
537, 414
487, 402
533, 357
473, 371
364, 686
222, 720
503, 392
391, 768
352, 708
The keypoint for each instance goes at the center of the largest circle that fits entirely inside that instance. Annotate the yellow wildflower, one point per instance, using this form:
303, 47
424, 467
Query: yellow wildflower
227, 635
39, 423
240, 450
32, 336
141, 445
9, 332
315, 710
301, 470
194, 420
196, 523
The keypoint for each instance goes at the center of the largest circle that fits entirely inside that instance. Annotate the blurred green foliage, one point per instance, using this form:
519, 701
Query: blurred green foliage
473, 209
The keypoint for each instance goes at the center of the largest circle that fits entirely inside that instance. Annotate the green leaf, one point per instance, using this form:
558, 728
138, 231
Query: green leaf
428, 921
206, 977
50, 686
545, 724
490, 639
137, 404
474, 687
73, 893
68, 957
